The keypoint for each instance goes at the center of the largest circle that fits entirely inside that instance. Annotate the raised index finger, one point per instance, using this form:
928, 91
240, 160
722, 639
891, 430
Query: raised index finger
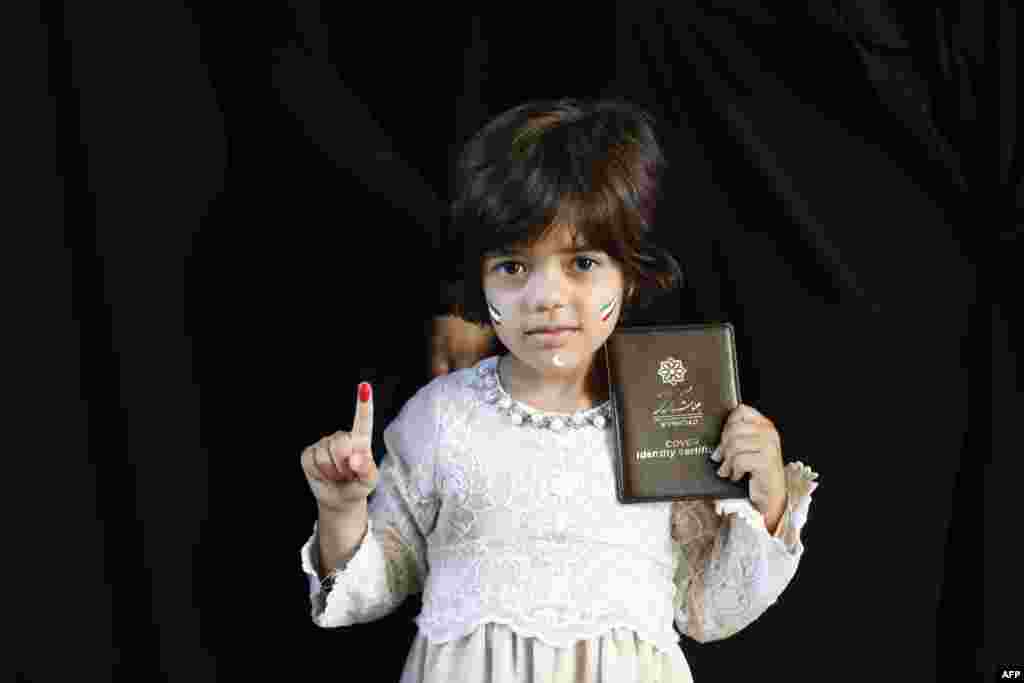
362, 426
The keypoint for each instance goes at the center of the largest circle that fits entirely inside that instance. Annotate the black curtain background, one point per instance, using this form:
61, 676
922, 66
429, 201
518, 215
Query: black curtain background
254, 222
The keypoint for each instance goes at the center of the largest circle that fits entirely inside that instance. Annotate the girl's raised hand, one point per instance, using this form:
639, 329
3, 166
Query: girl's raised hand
340, 467
751, 445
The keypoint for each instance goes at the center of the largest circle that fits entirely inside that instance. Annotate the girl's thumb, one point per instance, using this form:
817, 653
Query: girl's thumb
361, 464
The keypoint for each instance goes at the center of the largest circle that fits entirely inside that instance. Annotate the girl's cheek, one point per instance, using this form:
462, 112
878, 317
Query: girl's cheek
496, 316
607, 310
607, 300
499, 308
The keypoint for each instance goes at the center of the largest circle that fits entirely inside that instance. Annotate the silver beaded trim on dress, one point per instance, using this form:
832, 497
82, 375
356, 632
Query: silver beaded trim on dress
520, 414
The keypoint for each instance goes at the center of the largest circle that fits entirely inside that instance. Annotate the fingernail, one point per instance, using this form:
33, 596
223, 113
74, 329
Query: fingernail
715, 454
364, 392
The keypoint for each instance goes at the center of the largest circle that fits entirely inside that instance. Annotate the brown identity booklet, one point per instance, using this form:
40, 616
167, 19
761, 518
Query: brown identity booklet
672, 388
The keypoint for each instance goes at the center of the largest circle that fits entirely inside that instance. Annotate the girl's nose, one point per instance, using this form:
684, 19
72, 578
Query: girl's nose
546, 289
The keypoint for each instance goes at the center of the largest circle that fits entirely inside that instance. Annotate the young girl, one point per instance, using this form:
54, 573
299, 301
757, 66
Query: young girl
496, 494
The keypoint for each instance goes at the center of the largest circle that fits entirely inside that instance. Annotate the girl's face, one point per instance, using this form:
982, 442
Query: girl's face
553, 284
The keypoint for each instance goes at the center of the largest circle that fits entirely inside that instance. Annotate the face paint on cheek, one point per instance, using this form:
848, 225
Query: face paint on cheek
606, 311
495, 315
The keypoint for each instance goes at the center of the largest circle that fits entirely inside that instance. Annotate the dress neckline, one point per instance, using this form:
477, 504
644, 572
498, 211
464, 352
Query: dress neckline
532, 409
522, 413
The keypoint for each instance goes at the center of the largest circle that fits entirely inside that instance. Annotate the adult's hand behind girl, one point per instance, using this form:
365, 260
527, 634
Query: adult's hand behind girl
340, 467
456, 344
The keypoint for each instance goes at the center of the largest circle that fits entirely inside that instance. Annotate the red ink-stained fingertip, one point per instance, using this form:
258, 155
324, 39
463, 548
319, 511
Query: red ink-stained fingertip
364, 392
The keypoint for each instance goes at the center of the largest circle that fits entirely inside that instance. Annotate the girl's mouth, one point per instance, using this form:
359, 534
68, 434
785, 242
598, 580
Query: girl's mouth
552, 338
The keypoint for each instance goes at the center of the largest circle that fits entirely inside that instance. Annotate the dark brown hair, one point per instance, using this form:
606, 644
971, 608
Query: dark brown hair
592, 165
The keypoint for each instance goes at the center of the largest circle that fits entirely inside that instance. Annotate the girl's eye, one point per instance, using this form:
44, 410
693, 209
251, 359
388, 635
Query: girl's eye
585, 263
502, 267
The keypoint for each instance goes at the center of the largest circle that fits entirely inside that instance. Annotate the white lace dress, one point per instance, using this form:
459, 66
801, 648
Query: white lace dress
506, 519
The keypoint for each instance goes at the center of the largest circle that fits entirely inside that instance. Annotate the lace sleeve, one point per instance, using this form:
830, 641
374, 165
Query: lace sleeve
390, 564
730, 570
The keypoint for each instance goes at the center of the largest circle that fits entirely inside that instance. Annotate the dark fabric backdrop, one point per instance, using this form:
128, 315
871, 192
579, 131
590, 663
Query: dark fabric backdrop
254, 222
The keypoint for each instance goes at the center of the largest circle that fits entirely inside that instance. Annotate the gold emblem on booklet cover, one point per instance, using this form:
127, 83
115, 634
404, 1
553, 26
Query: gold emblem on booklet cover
679, 404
